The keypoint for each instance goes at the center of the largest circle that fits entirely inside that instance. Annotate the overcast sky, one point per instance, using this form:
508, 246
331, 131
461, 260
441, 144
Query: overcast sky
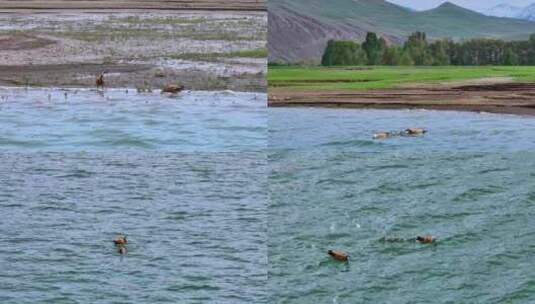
472, 4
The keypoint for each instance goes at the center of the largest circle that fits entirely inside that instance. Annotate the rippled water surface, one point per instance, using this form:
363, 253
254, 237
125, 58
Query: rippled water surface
470, 182
195, 223
76, 120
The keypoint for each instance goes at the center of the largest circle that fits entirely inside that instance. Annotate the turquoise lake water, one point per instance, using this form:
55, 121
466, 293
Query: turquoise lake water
195, 224
184, 177
225, 201
469, 182
121, 119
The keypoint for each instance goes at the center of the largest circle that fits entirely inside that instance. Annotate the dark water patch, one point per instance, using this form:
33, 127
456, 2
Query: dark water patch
531, 197
452, 215
476, 193
389, 167
493, 170
51, 208
130, 143
19, 143
352, 143
180, 215
385, 189
334, 182
8, 205
78, 173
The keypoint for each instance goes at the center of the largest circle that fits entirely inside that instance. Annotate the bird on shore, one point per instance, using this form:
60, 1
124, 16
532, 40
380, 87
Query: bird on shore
120, 240
428, 239
100, 80
338, 255
415, 131
173, 88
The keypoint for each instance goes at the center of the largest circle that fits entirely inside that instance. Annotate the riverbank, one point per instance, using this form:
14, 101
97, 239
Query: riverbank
240, 5
480, 89
202, 50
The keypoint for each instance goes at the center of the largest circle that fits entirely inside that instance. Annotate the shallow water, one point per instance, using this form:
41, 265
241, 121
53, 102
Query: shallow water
195, 223
469, 182
86, 120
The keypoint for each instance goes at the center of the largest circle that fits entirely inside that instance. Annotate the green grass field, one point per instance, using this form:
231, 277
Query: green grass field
369, 78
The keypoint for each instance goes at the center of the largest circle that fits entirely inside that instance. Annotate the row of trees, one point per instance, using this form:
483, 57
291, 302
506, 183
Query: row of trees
418, 51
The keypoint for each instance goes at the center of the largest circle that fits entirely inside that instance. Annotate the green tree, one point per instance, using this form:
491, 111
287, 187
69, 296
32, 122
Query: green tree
417, 51
406, 59
392, 56
373, 47
530, 52
343, 53
416, 45
509, 57
439, 53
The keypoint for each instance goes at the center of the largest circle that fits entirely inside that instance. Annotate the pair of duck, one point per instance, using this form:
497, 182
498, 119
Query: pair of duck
120, 242
344, 257
406, 132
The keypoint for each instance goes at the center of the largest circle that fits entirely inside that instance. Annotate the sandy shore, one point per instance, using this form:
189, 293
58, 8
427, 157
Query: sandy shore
203, 50
494, 97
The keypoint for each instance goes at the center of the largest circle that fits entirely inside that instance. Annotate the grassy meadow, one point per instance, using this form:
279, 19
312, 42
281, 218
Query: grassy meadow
293, 78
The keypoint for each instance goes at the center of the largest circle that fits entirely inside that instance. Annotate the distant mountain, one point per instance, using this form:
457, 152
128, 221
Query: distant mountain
299, 29
503, 10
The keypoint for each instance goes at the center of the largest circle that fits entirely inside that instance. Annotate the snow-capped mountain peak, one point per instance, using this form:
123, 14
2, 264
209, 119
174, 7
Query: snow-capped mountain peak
528, 13
504, 10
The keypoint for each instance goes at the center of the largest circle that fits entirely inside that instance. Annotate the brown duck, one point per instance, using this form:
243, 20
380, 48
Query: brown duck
382, 135
338, 255
426, 239
415, 131
172, 88
120, 240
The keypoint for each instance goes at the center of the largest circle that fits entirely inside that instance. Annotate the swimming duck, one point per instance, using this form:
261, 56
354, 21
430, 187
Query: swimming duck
382, 135
415, 131
172, 88
426, 239
120, 240
338, 255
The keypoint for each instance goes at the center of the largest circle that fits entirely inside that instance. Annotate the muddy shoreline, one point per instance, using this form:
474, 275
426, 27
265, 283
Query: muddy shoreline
126, 75
215, 5
503, 98
148, 50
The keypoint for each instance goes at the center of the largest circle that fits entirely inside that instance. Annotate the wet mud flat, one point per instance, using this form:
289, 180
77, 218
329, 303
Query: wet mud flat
147, 49
509, 98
